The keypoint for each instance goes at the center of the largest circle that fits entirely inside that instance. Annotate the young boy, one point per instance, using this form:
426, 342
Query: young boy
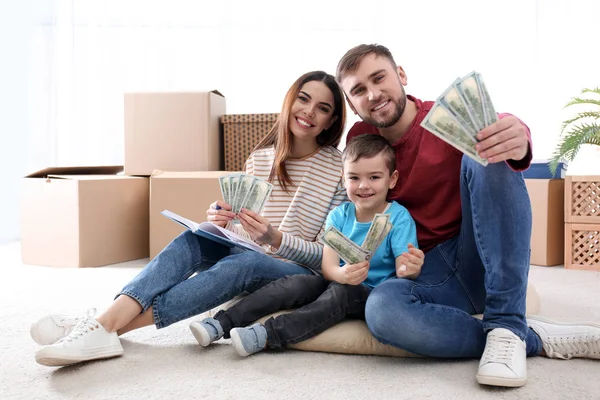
322, 301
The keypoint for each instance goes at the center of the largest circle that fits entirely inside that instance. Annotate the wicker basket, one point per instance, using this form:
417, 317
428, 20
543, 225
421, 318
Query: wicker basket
582, 222
241, 133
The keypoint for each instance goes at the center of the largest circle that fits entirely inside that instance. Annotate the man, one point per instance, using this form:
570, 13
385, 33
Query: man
474, 224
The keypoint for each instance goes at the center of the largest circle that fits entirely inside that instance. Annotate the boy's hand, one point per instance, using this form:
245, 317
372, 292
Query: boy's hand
219, 213
353, 274
408, 264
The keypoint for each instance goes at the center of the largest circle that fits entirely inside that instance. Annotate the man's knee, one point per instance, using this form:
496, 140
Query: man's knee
385, 307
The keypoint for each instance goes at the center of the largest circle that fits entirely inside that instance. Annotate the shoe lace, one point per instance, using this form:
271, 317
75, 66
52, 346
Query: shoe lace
84, 325
71, 321
567, 347
500, 349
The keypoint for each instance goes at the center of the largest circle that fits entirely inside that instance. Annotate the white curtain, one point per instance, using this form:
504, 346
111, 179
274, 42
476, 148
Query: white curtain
72, 60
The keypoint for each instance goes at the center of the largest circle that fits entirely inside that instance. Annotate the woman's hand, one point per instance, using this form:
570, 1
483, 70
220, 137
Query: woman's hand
219, 213
408, 264
259, 228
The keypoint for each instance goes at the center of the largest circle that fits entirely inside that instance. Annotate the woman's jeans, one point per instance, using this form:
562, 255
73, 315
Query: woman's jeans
320, 305
167, 284
482, 270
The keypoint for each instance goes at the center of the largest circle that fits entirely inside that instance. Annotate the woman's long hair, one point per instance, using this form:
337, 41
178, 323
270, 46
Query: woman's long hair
280, 135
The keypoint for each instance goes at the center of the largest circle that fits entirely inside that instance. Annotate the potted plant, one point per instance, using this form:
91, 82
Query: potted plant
583, 128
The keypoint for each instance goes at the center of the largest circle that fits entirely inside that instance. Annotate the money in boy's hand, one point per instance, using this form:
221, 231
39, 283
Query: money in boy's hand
346, 249
376, 232
464, 109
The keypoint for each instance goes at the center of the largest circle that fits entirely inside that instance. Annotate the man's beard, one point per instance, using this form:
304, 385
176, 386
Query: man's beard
395, 117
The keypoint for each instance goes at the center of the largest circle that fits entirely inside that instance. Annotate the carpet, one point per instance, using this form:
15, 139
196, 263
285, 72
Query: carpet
168, 363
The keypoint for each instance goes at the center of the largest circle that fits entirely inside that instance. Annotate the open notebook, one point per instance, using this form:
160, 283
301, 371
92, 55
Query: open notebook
214, 233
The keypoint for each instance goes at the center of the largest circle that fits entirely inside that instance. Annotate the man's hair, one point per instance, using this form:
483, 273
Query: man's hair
351, 60
368, 146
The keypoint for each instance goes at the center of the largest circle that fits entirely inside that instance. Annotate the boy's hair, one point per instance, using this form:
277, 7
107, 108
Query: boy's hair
351, 60
368, 146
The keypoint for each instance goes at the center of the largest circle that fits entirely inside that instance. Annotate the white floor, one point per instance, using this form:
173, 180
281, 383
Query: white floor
168, 364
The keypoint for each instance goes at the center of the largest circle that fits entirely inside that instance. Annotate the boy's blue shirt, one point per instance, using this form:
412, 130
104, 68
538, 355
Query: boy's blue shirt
383, 261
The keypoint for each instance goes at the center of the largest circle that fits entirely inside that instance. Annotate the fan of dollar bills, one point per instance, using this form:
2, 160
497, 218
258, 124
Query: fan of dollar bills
460, 113
245, 191
349, 251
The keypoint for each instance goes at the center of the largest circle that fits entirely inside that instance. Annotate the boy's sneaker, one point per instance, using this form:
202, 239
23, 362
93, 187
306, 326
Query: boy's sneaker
206, 331
567, 340
88, 341
51, 328
249, 340
504, 360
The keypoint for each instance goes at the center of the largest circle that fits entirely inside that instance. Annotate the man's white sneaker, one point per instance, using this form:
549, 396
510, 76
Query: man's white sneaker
567, 340
51, 328
504, 360
88, 341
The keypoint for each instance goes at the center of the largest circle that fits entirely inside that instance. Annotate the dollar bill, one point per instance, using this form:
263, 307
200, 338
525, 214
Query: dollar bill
225, 188
469, 90
245, 191
375, 233
257, 195
386, 230
452, 100
234, 181
488, 107
346, 249
244, 185
440, 122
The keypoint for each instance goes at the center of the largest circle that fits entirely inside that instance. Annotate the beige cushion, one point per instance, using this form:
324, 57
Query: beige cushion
353, 336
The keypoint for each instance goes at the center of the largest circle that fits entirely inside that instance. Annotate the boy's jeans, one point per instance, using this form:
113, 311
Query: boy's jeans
482, 270
322, 304
167, 284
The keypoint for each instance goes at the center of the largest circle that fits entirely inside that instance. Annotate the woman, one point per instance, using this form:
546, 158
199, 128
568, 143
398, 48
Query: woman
299, 157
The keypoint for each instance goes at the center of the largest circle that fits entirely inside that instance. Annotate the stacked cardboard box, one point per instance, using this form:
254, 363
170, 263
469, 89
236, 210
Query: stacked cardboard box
547, 203
93, 216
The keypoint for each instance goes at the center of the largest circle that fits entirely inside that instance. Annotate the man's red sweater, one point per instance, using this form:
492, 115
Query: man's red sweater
428, 182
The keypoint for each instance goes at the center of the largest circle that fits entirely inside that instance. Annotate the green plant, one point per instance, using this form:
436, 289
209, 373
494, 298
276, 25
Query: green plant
582, 129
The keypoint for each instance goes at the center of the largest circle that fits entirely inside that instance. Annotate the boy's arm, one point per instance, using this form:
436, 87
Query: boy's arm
349, 274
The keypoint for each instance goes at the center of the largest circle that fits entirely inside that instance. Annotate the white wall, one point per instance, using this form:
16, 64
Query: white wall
14, 47
253, 51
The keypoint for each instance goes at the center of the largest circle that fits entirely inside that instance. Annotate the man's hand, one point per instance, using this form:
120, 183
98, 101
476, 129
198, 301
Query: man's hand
505, 139
408, 264
353, 274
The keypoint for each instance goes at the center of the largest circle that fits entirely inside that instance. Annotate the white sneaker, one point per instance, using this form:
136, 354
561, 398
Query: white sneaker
51, 328
504, 360
88, 341
567, 340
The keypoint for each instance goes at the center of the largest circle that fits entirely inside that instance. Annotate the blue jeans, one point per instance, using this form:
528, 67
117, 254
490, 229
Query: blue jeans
482, 270
167, 284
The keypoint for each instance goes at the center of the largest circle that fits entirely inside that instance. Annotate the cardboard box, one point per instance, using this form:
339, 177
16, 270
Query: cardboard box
241, 133
547, 235
188, 194
172, 132
83, 217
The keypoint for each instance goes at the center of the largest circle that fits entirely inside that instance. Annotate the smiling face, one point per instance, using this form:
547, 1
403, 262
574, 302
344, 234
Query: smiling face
367, 181
312, 111
375, 91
